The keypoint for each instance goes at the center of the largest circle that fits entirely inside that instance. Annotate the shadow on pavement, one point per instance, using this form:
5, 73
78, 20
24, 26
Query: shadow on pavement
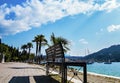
44, 79
20, 79
38, 79
25, 68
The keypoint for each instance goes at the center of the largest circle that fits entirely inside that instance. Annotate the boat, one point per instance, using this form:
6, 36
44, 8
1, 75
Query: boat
108, 62
90, 62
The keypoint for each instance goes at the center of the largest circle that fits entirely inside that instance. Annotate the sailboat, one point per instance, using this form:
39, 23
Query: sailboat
108, 62
88, 52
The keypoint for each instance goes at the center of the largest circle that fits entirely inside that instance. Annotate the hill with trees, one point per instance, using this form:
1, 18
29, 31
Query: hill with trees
112, 53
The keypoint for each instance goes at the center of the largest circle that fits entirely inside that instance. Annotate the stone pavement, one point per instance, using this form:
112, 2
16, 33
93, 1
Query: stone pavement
14, 72
23, 73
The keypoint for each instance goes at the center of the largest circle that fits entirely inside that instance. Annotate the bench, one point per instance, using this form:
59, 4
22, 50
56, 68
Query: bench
55, 57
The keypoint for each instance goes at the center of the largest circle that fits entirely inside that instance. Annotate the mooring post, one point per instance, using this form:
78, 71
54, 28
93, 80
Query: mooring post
85, 73
47, 69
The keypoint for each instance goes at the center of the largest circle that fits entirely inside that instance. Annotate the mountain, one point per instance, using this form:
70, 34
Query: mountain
74, 58
112, 53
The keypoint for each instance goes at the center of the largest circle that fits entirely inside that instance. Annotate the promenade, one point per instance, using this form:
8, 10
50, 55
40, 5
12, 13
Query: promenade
26, 73
30, 73
23, 73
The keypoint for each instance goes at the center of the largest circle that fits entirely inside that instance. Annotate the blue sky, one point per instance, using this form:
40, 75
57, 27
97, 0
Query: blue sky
87, 24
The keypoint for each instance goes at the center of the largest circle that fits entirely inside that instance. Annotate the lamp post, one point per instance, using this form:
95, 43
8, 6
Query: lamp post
1, 54
0, 50
3, 59
0, 46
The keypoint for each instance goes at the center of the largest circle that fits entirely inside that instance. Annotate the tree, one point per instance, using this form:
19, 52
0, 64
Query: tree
40, 41
10, 53
53, 39
36, 41
61, 40
29, 46
24, 54
24, 47
31, 57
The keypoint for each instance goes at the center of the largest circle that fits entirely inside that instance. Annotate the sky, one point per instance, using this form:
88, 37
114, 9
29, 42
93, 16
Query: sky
89, 25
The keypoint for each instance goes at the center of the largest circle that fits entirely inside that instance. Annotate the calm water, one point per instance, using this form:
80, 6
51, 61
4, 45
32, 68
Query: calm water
106, 69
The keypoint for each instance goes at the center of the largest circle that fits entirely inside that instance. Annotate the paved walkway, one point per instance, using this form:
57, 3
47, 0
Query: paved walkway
25, 73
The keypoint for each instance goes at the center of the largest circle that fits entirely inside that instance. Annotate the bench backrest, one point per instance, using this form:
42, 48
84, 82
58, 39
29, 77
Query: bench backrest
55, 53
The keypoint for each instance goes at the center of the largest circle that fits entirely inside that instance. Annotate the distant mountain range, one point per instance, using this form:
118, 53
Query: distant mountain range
111, 53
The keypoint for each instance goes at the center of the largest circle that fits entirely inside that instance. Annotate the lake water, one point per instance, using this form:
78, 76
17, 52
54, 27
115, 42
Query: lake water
106, 69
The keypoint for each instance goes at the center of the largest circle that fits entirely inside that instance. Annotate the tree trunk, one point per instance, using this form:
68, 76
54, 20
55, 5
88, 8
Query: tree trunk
40, 52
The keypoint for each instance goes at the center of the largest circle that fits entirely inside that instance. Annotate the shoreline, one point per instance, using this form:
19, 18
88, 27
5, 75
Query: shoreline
92, 77
99, 78
110, 76
95, 77
102, 75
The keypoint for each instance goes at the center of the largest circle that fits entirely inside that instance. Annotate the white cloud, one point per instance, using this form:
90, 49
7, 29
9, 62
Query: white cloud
113, 28
109, 5
83, 41
34, 13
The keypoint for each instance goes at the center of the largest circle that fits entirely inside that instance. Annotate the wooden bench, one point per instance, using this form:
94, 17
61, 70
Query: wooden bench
55, 57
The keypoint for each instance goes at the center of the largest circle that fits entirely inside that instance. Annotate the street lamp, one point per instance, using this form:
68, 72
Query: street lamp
1, 54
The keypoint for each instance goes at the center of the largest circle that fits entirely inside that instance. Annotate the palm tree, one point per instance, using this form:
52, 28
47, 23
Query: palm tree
24, 47
36, 40
29, 46
24, 52
61, 40
40, 41
53, 39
